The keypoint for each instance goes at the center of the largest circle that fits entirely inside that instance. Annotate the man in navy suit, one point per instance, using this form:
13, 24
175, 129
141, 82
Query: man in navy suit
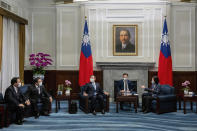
125, 86
94, 92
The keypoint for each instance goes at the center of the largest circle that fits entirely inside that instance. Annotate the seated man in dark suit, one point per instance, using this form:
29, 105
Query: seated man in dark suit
95, 92
37, 93
151, 95
15, 100
125, 86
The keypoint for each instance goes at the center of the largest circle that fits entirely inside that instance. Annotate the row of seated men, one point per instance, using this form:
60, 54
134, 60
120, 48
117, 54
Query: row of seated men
17, 102
36, 93
96, 93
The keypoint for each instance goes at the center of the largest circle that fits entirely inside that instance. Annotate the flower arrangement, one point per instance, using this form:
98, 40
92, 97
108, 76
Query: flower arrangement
39, 61
67, 84
185, 84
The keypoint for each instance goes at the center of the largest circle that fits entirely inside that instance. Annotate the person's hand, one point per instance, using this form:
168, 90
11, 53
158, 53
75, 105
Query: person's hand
122, 91
50, 99
85, 94
143, 87
27, 102
106, 93
21, 105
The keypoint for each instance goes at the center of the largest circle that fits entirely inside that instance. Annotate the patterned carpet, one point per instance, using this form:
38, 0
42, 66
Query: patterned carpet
126, 120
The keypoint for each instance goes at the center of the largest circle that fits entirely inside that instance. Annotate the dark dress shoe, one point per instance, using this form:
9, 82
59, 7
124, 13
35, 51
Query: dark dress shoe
46, 114
94, 112
103, 112
37, 116
19, 122
146, 111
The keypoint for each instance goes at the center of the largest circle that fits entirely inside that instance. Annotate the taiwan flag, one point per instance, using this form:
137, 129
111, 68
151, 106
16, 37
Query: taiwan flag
165, 59
86, 62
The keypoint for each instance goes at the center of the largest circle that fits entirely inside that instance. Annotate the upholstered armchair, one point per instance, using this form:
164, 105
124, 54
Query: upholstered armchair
2, 111
84, 102
165, 101
4, 119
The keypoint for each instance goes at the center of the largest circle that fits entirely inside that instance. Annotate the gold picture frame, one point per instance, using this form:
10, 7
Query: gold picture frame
125, 40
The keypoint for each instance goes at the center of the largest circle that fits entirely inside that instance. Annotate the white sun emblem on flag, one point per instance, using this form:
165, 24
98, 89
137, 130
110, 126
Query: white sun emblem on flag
86, 40
165, 39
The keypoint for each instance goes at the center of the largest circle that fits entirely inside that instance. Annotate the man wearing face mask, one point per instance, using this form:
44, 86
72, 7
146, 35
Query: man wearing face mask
15, 100
37, 93
125, 85
94, 92
153, 91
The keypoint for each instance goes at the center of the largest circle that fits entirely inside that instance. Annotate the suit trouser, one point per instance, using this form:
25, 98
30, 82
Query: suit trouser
45, 105
19, 112
148, 102
144, 99
94, 100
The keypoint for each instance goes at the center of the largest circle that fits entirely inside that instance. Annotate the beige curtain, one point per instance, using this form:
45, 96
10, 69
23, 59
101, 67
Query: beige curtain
21, 50
1, 39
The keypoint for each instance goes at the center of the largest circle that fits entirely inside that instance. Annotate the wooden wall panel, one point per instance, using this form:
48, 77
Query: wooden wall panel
178, 78
55, 77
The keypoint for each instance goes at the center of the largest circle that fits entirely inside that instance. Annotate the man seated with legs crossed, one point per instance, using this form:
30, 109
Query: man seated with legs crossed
37, 94
16, 101
95, 93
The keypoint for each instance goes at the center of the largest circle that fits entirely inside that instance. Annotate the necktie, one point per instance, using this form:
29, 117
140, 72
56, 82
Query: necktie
94, 85
38, 89
125, 85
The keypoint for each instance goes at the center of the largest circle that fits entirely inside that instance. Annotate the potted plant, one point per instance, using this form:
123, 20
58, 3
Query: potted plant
60, 89
67, 87
186, 87
39, 61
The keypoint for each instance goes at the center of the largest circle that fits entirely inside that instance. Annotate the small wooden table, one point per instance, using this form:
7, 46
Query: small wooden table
127, 98
59, 98
190, 99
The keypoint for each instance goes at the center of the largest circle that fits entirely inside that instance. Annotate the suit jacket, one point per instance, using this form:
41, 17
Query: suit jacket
130, 48
130, 85
154, 89
90, 90
12, 98
33, 94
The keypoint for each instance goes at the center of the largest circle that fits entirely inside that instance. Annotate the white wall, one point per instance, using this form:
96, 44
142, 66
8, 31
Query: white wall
58, 31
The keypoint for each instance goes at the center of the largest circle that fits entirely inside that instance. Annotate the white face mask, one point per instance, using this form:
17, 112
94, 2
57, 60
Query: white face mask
19, 84
152, 82
125, 78
91, 80
40, 84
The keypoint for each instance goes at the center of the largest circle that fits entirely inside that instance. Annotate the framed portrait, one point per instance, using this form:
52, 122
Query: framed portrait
125, 40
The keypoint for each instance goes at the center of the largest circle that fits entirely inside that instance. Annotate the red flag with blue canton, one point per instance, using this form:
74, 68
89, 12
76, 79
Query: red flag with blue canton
86, 62
165, 59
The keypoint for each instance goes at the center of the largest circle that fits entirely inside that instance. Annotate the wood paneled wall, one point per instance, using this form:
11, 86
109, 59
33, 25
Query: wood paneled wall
55, 77
178, 78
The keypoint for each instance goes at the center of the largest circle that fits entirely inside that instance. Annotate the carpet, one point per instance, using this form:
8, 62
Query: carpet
126, 120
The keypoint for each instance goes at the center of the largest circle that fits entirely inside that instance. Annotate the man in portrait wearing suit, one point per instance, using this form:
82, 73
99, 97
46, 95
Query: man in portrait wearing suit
95, 92
15, 100
125, 46
125, 85
37, 93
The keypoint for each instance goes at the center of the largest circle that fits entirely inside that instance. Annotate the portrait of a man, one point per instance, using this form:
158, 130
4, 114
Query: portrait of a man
125, 40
